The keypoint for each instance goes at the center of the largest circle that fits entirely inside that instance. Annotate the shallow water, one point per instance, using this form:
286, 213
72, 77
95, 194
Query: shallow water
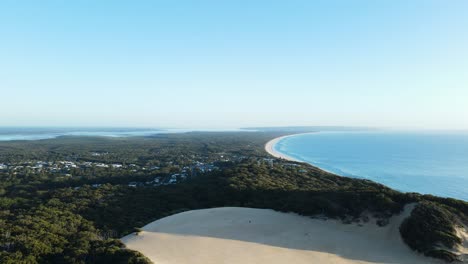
424, 162
25, 133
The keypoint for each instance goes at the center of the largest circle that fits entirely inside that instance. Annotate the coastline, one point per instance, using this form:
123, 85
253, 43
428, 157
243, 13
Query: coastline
270, 148
447, 188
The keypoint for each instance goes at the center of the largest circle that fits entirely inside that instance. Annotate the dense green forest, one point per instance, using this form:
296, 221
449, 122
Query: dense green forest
75, 214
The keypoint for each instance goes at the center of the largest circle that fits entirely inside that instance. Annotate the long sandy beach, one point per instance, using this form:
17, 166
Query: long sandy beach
270, 148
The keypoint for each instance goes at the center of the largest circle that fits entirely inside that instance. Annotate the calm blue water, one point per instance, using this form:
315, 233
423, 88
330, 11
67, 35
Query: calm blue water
36, 133
25, 133
429, 163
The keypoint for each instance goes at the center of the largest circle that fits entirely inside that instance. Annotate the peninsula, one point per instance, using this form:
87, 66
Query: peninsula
96, 190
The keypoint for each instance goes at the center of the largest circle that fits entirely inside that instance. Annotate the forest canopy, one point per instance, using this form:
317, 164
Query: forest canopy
73, 208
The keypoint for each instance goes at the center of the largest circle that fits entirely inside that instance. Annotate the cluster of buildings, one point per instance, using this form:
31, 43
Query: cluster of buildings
54, 166
61, 166
203, 167
162, 180
174, 178
67, 168
181, 172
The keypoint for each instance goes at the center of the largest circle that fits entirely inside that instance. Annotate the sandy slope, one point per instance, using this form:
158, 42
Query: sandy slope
462, 250
245, 235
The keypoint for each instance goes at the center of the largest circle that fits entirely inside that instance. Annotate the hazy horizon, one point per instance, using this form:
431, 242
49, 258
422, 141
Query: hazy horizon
211, 64
315, 128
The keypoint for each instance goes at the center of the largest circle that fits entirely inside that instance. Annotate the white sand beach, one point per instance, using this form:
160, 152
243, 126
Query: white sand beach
270, 148
245, 235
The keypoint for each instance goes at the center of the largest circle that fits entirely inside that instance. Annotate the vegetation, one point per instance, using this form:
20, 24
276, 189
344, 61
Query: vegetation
431, 230
51, 218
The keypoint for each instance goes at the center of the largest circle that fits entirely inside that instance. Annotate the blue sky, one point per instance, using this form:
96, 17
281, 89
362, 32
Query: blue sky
219, 64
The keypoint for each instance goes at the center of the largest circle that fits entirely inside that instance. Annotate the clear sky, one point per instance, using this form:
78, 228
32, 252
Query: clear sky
218, 64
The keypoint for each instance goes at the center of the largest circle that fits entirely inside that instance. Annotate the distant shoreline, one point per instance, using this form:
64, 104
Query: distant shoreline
31, 133
270, 147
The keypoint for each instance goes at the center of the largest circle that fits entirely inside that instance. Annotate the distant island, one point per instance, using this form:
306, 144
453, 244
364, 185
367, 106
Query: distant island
71, 199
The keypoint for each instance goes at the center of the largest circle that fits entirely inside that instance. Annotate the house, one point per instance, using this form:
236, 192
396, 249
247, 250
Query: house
97, 154
87, 164
172, 181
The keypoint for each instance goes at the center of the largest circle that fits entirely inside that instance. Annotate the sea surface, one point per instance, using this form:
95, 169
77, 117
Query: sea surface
424, 162
27, 133
37, 133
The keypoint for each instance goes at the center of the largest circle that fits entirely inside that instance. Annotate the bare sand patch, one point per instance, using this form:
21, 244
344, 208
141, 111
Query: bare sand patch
246, 235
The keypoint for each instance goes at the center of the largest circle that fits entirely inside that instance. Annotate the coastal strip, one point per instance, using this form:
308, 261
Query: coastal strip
270, 148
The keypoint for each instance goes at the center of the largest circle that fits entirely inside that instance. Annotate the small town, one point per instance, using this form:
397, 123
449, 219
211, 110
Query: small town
73, 169
167, 173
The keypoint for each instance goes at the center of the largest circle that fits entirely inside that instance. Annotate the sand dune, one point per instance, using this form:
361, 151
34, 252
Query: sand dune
245, 235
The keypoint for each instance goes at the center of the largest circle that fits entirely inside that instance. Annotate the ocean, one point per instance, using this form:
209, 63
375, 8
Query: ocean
424, 162
36, 133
